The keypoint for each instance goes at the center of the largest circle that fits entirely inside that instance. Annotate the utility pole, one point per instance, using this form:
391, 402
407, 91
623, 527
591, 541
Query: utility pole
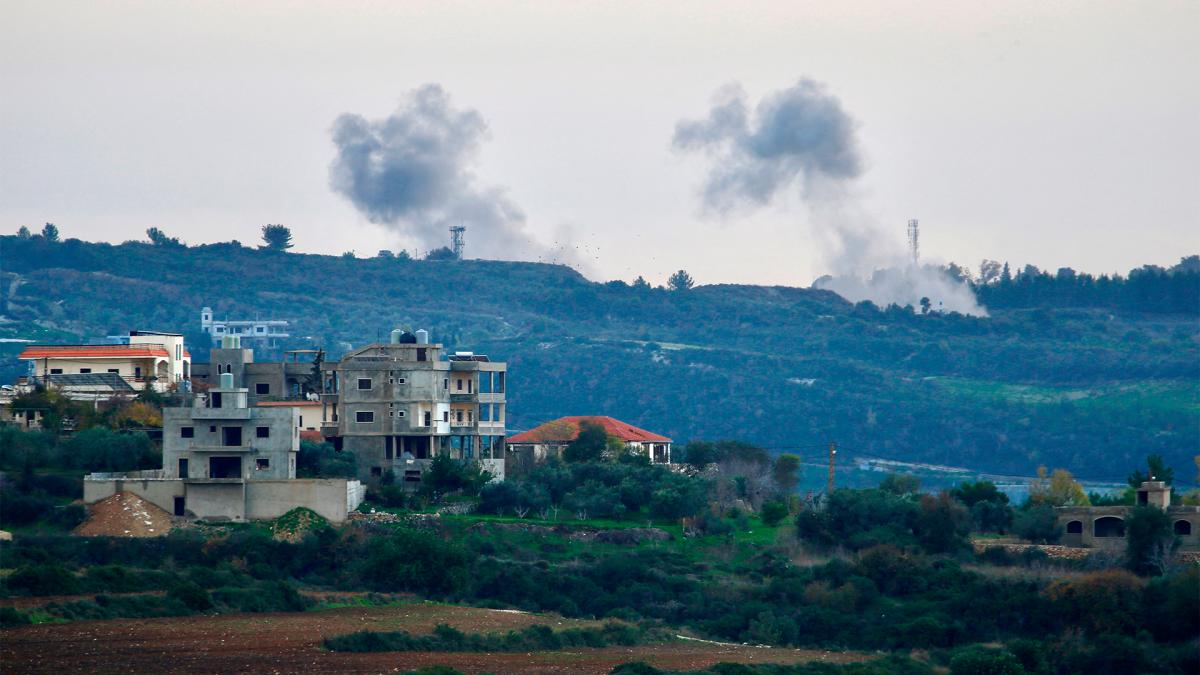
832, 454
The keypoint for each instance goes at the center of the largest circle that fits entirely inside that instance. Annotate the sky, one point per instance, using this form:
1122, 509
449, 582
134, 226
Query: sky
1051, 133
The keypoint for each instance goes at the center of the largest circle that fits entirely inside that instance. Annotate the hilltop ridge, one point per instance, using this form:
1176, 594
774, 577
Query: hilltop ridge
789, 368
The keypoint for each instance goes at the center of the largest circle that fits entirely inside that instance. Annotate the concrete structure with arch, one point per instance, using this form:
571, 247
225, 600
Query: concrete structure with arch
1104, 526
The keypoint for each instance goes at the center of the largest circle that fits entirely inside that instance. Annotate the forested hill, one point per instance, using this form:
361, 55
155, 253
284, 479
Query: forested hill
1090, 380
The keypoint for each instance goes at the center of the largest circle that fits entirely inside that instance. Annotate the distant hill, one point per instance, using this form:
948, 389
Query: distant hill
1080, 379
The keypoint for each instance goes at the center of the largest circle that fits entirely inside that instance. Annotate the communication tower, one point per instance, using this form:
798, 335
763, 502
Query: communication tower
456, 241
914, 246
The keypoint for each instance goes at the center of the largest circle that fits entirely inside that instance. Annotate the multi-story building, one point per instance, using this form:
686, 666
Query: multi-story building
147, 357
226, 459
296, 377
396, 405
265, 331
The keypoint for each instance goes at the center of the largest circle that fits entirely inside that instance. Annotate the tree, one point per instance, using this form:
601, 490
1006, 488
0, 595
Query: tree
971, 494
942, 524
786, 472
699, 454
348, 255
1058, 489
640, 283
1158, 471
50, 232
277, 237
680, 281
23, 233
989, 272
1038, 524
588, 446
1150, 540
160, 238
385, 254
443, 253
773, 513
900, 484
925, 305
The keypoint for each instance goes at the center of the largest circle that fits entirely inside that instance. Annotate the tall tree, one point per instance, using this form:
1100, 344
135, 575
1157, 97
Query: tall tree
786, 472
588, 446
50, 232
680, 281
277, 237
23, 233
160, 238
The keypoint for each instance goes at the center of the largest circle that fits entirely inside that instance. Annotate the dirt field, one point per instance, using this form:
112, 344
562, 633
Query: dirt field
282, 643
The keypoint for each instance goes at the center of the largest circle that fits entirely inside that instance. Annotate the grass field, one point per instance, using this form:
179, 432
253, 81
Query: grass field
1159, 395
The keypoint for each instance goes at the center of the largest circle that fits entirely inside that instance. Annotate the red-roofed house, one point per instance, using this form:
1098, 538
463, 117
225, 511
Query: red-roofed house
552, 438
157, 358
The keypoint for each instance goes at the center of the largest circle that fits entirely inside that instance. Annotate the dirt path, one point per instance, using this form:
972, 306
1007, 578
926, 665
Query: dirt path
270, 643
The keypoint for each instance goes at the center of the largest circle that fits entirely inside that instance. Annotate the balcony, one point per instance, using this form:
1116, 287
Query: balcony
219, 413
463, 397
221, 448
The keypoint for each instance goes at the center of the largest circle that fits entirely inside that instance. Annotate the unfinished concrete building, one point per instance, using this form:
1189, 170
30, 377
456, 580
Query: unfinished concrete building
1104, 526
296, 377
225, 459
396, 405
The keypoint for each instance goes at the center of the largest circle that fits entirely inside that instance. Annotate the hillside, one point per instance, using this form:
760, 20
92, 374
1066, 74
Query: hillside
1091, 388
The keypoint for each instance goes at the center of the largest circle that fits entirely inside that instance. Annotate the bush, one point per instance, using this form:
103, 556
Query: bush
42, 580
12, 617
191, 596
1038, 524
448, 639
1150, 540
984, 661
773, 513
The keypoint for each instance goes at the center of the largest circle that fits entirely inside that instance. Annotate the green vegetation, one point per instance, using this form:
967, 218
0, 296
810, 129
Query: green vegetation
1067, 371
531, 639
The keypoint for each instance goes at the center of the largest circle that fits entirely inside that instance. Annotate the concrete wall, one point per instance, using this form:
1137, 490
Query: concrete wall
158, 491
216, 501
331, 498
1086, 517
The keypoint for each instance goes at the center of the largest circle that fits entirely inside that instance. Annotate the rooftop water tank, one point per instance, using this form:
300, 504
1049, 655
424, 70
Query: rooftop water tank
227, 380
422, 337
395, 336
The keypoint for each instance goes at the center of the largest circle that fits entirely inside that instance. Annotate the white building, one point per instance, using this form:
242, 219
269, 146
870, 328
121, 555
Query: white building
263, 330
158, 359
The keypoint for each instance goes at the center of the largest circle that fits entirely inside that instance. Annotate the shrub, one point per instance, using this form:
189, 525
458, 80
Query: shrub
1038, 524
1150, 540
773, 513
983, 661
42, 580
12, 617
191, 596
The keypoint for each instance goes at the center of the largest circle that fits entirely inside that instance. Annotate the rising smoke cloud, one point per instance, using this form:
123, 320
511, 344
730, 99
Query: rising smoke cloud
800, 138
412, 172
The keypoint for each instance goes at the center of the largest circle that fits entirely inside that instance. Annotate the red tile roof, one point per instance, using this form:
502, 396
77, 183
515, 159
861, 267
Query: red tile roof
93, 351
566, 429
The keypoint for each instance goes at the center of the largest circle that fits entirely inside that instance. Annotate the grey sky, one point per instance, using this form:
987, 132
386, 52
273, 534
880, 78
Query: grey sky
1055, 133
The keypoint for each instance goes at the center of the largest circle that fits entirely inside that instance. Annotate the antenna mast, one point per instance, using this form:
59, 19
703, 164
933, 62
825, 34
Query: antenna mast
456, 241
914, 245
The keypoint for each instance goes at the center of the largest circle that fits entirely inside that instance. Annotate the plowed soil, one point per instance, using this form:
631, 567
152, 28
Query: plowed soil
289, 643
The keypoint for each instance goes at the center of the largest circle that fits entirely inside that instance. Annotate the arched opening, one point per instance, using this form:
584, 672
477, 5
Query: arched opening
1108, 526
1183, 528
1075, 527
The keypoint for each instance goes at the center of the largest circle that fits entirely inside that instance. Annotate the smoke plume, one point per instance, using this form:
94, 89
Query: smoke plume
801, 139
412, 172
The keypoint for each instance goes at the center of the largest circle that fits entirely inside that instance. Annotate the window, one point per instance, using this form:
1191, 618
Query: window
187, 432
420, 353
115, 370
376, 471
399, 413
262, 388
260, 329
56, 371
262, 463
364, 383
445, 383
364, 416
212, 429
214, 399
428, 418
85, 371
400, 380
458, 416
458, 383
470, 383
262, 432
445, 415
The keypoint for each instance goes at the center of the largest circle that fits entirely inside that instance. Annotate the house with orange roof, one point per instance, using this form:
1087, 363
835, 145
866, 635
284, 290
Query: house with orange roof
146, 357
550, 439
